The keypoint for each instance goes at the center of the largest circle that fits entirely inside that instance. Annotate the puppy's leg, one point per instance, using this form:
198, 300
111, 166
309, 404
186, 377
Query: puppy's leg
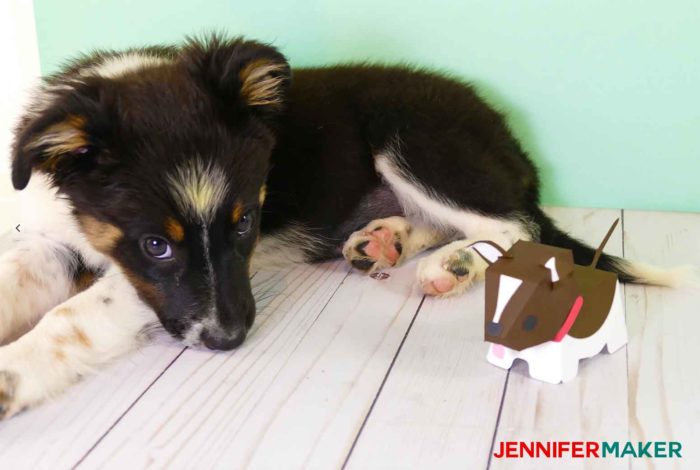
74, 338
35, 275
384, 243
450, 270
456, 266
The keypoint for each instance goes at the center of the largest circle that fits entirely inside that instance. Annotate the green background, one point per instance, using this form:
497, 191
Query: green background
605, 95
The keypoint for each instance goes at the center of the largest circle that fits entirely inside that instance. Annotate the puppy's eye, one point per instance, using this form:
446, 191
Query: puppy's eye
157, 247
82, 151
245, 224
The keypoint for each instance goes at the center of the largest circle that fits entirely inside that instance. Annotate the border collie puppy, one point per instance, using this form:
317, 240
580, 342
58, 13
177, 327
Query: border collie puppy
156, 179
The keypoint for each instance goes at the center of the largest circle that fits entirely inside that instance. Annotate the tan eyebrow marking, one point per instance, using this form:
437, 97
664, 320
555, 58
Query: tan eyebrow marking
237, 212
262, 194
174, 229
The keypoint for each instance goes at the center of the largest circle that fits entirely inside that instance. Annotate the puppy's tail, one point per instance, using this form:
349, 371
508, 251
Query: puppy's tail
626, 270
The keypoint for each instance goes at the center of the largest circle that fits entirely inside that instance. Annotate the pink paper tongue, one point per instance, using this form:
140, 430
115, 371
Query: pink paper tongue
498, 350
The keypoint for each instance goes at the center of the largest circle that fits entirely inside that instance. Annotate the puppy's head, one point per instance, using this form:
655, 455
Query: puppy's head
163, 154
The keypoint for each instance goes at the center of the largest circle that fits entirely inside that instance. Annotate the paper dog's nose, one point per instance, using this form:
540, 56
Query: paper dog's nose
494, 329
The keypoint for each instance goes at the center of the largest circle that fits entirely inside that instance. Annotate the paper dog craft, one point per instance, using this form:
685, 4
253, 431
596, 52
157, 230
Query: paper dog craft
548, 311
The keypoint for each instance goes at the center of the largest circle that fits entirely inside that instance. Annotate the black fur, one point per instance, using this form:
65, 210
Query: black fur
313, 141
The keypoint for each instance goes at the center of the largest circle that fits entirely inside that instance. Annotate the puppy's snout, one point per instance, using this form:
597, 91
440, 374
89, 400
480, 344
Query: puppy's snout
221, 340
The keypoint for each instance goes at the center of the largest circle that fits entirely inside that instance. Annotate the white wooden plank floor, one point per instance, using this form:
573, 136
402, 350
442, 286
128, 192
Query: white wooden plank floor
343, 369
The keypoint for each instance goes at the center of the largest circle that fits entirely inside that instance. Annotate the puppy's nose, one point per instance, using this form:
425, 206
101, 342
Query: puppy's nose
220, 341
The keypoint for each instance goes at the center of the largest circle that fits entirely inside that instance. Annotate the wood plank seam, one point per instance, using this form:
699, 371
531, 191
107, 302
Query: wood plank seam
260, 289
264, 289
498, 419
320, 312
627, 357
128, 409
381, 386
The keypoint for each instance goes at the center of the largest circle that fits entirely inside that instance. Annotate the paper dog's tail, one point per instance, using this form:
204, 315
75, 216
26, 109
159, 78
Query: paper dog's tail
626, 270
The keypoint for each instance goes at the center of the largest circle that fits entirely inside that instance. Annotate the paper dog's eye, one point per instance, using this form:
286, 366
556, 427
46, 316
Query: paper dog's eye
157, 247
529, 323
245, 224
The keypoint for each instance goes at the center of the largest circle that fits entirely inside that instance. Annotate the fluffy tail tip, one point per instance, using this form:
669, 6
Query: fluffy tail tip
681, 276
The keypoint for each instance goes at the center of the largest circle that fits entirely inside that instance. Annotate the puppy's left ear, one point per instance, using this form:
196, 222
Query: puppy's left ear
47, 144
248, 74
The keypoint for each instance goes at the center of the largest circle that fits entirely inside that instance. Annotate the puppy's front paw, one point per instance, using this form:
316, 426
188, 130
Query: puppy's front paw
377, 246
450, 270
9, 403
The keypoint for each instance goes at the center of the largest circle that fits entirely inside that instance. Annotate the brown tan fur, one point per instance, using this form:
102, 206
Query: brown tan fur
64, 311
59, 139
77, 337
81, 338
174, 229
237, 213
83, 281
101, 235
59, 354
262, 80
148, 292
25, 277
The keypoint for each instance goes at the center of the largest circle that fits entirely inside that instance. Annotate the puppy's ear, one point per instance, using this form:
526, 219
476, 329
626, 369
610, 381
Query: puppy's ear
248, 74
46, 143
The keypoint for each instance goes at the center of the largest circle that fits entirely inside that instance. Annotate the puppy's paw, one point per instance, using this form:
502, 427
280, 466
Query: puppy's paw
9, 403
450, 270
377, 246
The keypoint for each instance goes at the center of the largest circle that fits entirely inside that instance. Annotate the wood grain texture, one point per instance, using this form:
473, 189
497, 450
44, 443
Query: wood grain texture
448, 419
294, 395
593, 406
57, 434
338, 359
439, 405
664, 383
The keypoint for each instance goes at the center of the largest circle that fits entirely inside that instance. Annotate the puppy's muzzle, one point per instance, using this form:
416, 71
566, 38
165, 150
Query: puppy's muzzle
220, 340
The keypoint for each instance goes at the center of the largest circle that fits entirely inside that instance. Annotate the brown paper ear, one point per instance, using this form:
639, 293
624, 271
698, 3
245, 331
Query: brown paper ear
551, 264
46, 146
488, 250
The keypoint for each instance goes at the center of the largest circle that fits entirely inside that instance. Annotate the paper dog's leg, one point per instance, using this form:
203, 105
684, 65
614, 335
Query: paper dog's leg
36, 274
74, 338
551, 362
388, 242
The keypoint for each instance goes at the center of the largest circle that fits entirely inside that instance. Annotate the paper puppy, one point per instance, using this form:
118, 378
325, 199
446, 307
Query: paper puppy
548, 311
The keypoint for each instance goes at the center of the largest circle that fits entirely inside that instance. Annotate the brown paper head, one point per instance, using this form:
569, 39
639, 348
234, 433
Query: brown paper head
535, 293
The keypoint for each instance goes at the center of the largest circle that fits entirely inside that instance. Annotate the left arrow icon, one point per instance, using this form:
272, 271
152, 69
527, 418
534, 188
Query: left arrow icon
17, 228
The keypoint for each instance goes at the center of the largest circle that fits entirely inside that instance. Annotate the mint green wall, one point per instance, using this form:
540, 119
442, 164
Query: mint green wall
605, 94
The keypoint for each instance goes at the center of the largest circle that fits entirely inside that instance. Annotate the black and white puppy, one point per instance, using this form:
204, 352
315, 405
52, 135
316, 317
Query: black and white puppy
158, 178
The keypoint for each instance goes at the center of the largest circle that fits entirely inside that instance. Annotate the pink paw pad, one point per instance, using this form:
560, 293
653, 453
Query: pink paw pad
383, 245
442, 285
